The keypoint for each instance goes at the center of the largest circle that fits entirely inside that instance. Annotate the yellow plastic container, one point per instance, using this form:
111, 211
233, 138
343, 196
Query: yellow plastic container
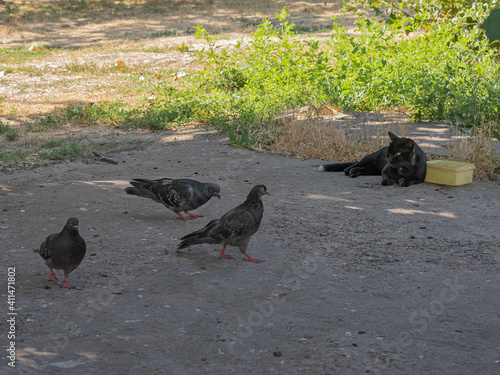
447, 172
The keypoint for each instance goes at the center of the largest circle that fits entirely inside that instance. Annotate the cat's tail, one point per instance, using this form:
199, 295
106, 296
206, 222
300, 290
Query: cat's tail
336, 167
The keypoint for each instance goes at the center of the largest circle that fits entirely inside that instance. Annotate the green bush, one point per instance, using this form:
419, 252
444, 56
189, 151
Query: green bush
430, 58
10, 134
46, 122
52, 143
444, 70
10, 156
243, 87
63, 152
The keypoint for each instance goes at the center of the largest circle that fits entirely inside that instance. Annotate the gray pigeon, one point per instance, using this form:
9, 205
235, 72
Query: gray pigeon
63, 251
177, 195
234, 228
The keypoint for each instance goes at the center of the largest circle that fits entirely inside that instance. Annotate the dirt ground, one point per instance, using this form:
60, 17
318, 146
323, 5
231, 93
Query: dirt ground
358, 278
101, 39
136, 20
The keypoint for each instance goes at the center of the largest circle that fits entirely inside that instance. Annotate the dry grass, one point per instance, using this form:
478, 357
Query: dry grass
318, 137
478, 149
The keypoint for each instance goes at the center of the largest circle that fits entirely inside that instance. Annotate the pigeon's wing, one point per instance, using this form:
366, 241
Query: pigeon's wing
176, 194
46, 247
235, 226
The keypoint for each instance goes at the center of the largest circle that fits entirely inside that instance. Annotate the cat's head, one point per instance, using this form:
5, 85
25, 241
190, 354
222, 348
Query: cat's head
400, 151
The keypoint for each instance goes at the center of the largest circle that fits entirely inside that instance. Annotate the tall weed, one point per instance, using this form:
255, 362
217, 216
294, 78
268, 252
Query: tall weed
446, 70
442, 69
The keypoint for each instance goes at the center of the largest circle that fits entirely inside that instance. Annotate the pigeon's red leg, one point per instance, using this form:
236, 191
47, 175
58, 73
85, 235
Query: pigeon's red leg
52, 276
193, 215
249, 259
66, 285
182, 217
222, 255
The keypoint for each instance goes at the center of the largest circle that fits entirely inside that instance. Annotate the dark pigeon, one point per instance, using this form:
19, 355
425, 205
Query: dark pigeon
63, 251
177, 195
234, 228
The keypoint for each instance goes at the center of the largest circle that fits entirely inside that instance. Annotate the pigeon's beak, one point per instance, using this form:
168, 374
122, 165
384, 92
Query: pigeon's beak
266, 193
75, 227
217, 195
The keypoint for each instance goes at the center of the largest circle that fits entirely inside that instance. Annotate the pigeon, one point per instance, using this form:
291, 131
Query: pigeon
177, 195
63, 251
234, 228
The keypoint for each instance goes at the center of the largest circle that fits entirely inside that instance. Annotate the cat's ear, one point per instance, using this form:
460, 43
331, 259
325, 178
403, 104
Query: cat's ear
392, 136
410, 144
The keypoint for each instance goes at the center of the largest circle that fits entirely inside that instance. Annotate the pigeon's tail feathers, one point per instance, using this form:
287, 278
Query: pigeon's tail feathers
190, 240
198, 237
184, 244
142, 181
132, 190
140, 191
195, 240
335, 167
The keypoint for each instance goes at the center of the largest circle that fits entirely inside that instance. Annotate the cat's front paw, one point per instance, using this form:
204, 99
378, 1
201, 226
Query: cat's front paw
388, 182
403, 182
403, 170
354, 172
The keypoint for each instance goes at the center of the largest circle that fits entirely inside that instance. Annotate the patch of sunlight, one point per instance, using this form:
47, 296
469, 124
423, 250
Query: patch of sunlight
108, 184
23, 354
326, 197
404, 211
176, 137
3, 187
91, 356
355, 208
442, 130
185, 133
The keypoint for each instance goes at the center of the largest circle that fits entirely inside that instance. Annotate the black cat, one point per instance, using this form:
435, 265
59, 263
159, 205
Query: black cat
402, 162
